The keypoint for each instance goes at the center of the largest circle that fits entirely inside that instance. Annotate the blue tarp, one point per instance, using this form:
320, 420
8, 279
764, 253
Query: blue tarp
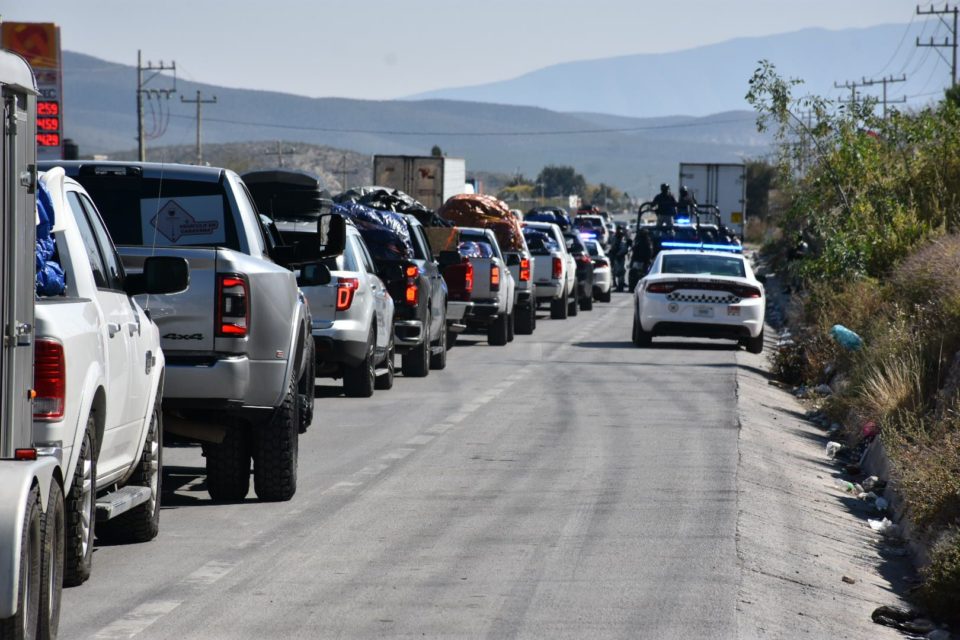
386, 233
50, 281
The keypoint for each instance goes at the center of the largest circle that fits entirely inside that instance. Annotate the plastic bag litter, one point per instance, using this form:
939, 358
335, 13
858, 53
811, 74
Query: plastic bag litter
849, 487
833, 448
477, 210
847, 339
881, 504
870, 482
884, 527
867, 495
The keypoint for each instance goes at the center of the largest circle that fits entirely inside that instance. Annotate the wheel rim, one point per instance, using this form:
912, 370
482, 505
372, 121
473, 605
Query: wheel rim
153, 465
86, 514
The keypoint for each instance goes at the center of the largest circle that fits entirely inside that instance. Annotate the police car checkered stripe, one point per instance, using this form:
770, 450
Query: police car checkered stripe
702, 298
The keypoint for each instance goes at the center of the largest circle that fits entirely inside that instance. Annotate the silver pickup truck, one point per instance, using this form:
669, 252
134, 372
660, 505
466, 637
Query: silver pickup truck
238, 342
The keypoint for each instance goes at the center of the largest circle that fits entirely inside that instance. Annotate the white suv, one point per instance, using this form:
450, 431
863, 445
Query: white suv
352, 316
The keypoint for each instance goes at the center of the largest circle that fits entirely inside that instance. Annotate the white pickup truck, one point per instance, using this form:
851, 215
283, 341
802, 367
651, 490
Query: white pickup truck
98, 379
555, 270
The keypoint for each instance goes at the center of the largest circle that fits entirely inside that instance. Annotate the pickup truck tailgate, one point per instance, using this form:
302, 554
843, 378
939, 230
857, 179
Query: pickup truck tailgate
482, 287
185, 320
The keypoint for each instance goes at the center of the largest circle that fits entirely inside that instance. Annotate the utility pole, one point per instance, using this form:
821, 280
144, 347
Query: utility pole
885, 81
199, 101
948, 42
281, 152
853, 90
143, 90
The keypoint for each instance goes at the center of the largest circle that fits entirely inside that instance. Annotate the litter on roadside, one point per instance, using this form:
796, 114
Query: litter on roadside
833, 448
847, 339
884, 527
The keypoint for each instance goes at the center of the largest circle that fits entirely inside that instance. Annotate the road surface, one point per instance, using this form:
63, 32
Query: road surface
567, 485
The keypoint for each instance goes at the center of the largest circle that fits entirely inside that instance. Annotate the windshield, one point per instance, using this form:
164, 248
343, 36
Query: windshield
698, 264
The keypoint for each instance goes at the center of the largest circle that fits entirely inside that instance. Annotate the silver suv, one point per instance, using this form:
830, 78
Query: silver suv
352, 316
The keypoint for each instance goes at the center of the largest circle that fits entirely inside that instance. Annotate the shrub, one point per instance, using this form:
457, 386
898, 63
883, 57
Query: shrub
940, 591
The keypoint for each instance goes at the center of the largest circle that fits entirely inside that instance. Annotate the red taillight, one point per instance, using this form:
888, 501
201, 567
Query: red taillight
600, 263
412, 271
346, 288
584, 258
411, 294
661, 287
524, 269
233, 306
25, 454
49, 380
746, 292
468, 276
557, 267
459, 278
494, 278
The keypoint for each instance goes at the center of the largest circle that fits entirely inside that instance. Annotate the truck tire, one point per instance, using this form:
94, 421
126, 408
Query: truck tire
228, 466
80, 507
360, 381
497, 331
23, 624
51, 568
511, 326
558, 308
385, 380
415, 363
606, 297
142, 523
307, 388
754, 345
438, 352
586, 304
525, 321
276, 451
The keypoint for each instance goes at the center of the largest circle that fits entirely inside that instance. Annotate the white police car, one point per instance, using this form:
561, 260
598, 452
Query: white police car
701, 294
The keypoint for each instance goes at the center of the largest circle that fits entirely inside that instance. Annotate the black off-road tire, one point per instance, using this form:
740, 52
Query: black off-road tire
586, 304
307, 388
524, 322
497, 331
606, 297
438, 352
228, 466
142, 523
572, 307
360, 381
511, 326
754, 345
23, 624
385, 380
559, 309
80, 507
51, 569
451, 339
415, 363
276, 451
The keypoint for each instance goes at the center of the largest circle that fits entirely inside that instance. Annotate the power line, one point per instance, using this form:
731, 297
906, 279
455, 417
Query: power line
947, 42
852, 85
199, 101
142, 90
885, 81
559, 132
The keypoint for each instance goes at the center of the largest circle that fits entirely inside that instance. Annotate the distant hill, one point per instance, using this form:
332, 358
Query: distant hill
706, 79
632, 154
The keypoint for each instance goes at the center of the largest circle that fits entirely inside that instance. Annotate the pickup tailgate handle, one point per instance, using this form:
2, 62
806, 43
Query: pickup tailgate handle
113, 328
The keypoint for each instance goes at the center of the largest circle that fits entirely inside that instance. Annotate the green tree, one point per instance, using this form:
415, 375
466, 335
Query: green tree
559, 181
436, 151
761, 176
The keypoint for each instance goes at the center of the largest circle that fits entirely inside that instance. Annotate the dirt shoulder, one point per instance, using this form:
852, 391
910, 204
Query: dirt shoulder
798, 536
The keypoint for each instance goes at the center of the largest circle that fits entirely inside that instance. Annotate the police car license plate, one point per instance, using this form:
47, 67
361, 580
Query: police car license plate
703, 312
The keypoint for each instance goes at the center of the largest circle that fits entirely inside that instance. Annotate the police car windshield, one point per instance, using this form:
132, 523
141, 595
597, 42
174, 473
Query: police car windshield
699, 264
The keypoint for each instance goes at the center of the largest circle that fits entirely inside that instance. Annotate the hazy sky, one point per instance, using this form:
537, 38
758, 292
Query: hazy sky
389, 48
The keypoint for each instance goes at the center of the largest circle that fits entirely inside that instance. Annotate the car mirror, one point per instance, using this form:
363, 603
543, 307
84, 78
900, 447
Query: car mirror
161, 275
448, 258
513, 260
312, 275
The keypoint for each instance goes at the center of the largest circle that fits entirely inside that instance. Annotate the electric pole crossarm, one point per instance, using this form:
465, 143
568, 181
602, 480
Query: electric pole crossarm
948, 42
199, 101
142, 90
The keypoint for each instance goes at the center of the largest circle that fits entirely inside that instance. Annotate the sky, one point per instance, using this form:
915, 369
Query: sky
383, 49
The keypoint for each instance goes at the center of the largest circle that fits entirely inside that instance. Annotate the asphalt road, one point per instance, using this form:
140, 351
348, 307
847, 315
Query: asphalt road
567, 485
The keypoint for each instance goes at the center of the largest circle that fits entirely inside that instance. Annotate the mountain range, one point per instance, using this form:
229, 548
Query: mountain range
713, 78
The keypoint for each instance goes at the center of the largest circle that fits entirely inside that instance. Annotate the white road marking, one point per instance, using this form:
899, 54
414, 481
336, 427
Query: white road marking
373, 469
457, 417
398, 454
137, 620
419, 440
440, 428
209, 573
343, 485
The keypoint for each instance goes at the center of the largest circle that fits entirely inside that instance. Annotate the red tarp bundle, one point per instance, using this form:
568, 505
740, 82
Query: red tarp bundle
475, 210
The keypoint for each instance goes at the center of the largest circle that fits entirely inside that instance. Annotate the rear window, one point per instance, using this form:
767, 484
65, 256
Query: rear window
696, 264
163, 213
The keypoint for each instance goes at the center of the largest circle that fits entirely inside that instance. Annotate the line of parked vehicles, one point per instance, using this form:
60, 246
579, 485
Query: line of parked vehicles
150, 301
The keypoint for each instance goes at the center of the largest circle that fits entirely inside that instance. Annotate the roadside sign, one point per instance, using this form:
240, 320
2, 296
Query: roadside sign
39, 44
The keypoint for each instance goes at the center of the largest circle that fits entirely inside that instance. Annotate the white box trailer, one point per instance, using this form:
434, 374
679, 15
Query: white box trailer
429, 179
720, 184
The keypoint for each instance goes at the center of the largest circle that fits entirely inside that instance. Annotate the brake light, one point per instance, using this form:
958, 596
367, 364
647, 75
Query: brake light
411, 294
600, 263
524, 269
412, 271
557, 267
584, 258
746, 292
661, 287
468, 276
494, 278
25, 454
233, 306
49, 380
346, 288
